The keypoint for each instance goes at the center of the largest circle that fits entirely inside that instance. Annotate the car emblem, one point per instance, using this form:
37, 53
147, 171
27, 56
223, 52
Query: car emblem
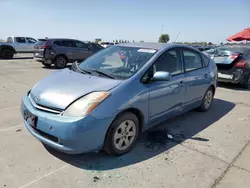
38, 99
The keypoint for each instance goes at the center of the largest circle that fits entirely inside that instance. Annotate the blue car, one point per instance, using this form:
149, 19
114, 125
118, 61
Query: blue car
106, 101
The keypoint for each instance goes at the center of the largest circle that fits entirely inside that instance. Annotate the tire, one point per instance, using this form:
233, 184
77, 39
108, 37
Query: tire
246, 82
7, 53
61, 62
207, 100
117, 135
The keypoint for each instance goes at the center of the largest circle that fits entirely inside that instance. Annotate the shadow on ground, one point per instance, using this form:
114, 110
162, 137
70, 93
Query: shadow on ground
52, 67
232, 86
17, 58
155, 141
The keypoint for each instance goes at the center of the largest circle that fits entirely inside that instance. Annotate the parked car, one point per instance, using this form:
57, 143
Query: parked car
61, 51
105, 103
94, 46
233, 64
16, 45
106, 44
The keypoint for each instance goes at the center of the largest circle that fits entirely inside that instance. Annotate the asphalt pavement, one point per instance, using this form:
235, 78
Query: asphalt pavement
203, 150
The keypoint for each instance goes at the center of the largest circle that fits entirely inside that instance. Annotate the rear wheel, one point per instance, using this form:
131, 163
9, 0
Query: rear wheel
207, 100
122, 134
246, 82
61, 61
7, 54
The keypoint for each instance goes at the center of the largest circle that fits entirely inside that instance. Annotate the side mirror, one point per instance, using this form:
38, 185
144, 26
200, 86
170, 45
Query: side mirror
161, 76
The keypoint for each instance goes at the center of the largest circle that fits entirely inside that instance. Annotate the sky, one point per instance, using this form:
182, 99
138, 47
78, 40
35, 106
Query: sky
194, 20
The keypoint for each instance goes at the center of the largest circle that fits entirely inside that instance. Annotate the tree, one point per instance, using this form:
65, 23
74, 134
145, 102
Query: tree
133, 40
210, 43
120, 41
116, 41
164, 38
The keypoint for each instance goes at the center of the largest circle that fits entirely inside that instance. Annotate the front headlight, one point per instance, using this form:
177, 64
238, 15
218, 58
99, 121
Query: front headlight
85, 105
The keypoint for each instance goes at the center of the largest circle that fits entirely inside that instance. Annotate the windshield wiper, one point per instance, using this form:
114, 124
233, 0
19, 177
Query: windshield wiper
76, 67
102, 73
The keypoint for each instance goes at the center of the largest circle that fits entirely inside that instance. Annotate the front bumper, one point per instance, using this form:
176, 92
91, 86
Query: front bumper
66, 134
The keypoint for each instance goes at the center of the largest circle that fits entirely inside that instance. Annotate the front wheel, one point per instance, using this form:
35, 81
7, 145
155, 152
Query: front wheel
122, 134
207, 100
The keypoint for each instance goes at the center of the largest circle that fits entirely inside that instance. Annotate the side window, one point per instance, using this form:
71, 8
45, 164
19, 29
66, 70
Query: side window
57, 42
80, 44
31, 40
68, 43
192, 60
169, 61
20, 40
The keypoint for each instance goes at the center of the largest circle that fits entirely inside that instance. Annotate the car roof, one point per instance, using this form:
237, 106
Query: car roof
152, 45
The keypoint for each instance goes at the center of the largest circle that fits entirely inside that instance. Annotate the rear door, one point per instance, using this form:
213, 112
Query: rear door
68, 47
31, 43
83, 51
21, 44
197, 77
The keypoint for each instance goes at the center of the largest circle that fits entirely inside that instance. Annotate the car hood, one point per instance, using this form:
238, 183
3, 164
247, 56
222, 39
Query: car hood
61, 88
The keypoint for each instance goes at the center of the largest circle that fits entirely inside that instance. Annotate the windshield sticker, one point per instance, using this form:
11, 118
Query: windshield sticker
151, 51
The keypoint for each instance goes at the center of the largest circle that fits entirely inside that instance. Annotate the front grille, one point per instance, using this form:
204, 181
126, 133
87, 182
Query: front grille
43, 108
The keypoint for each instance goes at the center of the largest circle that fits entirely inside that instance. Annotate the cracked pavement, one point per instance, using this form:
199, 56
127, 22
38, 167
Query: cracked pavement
209, 149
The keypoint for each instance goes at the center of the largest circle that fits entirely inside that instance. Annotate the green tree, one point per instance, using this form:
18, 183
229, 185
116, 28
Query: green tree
116, 41
120, 41
133, 40
164, 38
210, 43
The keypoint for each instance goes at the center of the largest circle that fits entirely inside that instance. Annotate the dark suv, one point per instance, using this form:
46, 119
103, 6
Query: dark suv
62, 51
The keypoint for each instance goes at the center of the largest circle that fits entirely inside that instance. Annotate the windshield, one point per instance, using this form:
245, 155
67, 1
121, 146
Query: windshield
117, 61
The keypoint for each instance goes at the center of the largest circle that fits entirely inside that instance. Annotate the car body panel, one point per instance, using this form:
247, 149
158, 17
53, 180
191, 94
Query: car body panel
155, 101
63, 87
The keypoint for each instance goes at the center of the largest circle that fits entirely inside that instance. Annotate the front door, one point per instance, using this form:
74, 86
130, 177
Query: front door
21, 45
197, 77
166, 97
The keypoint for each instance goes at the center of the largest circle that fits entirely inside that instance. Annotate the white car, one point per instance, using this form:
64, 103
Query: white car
15, 45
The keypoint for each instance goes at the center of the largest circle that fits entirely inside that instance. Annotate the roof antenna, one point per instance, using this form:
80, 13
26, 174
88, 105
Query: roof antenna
177, 37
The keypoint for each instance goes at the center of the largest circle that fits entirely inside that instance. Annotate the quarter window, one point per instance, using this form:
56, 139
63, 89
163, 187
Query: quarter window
192, 60
169, 62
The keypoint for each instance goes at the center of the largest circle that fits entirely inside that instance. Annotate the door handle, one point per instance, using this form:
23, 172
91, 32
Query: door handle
206, 75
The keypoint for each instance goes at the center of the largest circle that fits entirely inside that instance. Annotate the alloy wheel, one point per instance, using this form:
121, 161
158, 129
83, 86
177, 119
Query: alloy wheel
124, 135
